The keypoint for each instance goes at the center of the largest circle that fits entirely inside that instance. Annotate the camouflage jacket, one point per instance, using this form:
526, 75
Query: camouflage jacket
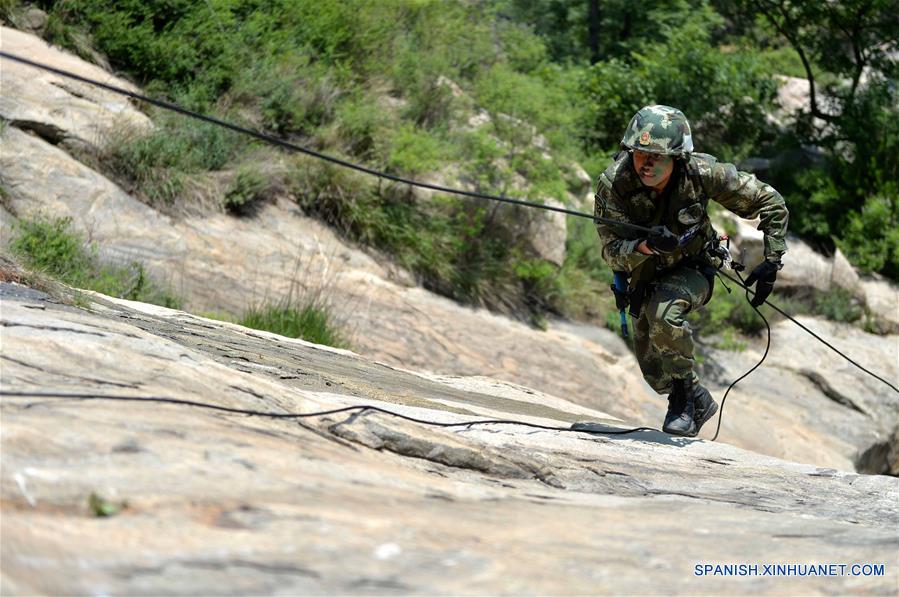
683, 208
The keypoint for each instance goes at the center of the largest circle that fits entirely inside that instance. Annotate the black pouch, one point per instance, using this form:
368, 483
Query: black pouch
642, 283
622, 297
637, 296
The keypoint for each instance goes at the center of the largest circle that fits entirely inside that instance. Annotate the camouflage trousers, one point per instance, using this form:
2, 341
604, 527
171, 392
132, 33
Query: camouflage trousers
663, 340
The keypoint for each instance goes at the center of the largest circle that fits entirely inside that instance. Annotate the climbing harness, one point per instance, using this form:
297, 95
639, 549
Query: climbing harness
620, 285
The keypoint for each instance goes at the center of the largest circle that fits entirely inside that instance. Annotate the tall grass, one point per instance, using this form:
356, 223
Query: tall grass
50, 246
310, 322
157, 165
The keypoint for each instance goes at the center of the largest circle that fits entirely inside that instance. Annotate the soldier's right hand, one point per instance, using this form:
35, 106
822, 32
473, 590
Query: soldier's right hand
661, 240
763, 276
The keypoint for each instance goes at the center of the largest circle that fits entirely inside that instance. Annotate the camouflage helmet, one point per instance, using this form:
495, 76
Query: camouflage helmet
659, 129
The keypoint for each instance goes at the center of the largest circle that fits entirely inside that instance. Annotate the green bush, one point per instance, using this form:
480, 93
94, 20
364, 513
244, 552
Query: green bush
361, 129
729, 340
870, 237
582, 290
864, 224
156, 165
185, 45
414, 150
50, 246
310, 322
838, 305
481, 151
292, 95
728, 115
539, 280
8, 8
246, 192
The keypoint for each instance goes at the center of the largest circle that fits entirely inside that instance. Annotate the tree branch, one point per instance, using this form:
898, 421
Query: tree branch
860, 59
783, 30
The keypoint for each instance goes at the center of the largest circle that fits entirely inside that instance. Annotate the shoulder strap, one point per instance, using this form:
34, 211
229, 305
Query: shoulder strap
698, 182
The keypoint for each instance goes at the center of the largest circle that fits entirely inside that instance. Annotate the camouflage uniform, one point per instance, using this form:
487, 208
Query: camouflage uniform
680, 281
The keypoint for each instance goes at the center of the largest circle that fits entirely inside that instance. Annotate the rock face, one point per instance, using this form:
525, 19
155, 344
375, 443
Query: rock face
220, 263
882, 297
57, 108
103, 496
805, 268
548, 231
802, 265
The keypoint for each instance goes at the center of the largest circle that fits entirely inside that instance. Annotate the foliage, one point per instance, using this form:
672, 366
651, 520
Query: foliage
623, 26
310, 322
582, 290
246, 192
853, 200
729, 318
865, 29
8, 8
847, 51
291, 94
102, 507
727, 117
395, 84
871, 237
49, 245
156, 164
729, 340
838, 305
414, 150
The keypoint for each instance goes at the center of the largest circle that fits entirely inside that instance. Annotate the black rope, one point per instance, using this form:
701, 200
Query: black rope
323, 413
757, 365
294, 147
816, 336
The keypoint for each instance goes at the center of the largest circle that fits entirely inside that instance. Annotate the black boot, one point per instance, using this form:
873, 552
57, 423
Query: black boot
705, 406
679, 418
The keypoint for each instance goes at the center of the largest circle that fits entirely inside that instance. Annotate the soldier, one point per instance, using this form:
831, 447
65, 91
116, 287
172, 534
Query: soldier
658, 182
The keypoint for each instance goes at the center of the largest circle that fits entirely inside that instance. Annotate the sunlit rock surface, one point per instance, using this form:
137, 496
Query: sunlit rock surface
203, 501
223, 264
58, 108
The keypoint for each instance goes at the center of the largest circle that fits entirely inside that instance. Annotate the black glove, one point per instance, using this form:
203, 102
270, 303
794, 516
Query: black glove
661, 240
765, 274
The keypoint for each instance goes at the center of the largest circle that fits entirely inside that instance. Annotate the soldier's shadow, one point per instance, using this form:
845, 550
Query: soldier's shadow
611, 432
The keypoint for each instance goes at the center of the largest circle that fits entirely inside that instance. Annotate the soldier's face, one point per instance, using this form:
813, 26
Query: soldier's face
652, 168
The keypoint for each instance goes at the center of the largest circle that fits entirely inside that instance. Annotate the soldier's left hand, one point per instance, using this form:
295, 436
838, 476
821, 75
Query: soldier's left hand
763, 276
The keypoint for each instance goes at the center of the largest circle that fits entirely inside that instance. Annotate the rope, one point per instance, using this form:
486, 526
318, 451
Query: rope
323, 413
816, 336
757, 365
294, 147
